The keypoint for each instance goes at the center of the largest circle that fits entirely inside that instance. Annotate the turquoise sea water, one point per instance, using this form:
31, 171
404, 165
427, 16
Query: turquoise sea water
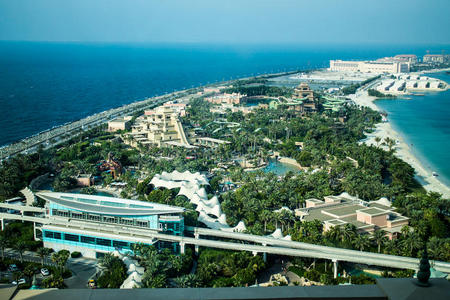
424, 123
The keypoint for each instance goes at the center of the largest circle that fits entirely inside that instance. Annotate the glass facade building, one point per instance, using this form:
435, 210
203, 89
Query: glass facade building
99, 224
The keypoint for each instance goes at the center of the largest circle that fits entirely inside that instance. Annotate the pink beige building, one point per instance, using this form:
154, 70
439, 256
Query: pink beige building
234, 98
122, 123
344, 209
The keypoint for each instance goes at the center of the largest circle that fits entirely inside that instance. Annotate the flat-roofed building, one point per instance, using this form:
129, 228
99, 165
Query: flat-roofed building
233, 98
434, 58
122, 123
345, 209
411, 58
92, 224
379, 66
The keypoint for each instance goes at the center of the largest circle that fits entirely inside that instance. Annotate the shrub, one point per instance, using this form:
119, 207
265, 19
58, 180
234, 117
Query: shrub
75, 254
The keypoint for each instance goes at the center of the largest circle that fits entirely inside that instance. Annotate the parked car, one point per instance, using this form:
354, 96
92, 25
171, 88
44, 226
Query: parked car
91, 284
45, 272
20, 281
13, 268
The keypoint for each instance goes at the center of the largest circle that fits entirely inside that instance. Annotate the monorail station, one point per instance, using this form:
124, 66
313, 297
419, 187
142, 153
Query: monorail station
94, 225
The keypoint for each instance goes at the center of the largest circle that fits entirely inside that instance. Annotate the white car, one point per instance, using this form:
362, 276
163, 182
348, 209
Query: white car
21, 281
45, 272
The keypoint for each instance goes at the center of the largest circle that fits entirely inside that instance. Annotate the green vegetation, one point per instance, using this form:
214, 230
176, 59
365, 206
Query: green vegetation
75, 254
20, 236
220, 268
162, 265
17, 172
375, 93
114, 272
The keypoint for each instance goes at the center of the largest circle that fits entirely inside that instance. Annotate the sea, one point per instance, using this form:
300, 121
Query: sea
424, 123
46, 84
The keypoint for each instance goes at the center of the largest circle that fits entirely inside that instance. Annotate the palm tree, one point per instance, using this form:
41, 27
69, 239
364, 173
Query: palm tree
187, 281
20, 247
361, 241
43, 253
410, 243
106, 260
60, 258
3, 245
379, 236
348, 232
265, 216
377, 140
390, 143
334, 233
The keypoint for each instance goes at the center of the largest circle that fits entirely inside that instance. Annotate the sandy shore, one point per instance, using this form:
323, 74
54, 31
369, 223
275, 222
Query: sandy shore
402, 149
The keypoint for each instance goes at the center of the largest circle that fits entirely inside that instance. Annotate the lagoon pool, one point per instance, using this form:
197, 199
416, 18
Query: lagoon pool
280, 168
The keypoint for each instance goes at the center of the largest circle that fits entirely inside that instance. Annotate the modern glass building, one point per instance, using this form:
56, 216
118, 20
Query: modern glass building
94, 225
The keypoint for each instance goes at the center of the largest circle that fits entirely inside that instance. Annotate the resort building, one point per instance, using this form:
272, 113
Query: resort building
411, 58
86, 223
160, 127
234, 98
111, 165
434, 58
378, 66
345, 209
122, 123
179, 108
303, 100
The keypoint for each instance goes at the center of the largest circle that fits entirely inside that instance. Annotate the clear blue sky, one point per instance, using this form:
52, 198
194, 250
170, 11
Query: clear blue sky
227, 21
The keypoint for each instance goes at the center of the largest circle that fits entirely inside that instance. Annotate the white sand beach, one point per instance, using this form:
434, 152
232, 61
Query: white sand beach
402, 150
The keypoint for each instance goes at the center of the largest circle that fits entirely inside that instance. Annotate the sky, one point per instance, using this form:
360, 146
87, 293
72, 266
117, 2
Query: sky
228, 21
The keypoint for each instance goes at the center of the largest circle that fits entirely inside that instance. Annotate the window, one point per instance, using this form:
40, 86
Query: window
126, 221
103, 242
109, 219
87, 240
77, 215
142, 223
94, 217
71, 237
57, 235
48, 234
120, 244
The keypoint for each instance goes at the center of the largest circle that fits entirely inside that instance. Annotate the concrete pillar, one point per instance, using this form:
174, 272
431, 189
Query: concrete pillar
265, 254
182, 247
335, 267
197, 236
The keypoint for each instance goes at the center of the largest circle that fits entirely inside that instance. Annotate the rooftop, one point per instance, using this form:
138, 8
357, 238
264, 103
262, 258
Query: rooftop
108, 205
373, 211
341, 211
384, 289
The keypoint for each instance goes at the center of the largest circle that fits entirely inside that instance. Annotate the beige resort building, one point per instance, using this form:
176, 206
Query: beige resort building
159, 127
343, 209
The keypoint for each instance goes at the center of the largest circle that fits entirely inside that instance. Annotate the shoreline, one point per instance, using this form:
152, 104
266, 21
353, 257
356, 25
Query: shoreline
402, 149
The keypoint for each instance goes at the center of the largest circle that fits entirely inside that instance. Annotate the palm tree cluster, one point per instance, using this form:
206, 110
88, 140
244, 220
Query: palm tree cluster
161, 266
